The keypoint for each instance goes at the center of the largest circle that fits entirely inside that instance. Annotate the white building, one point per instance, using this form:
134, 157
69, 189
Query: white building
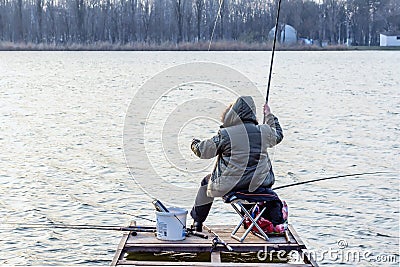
288, 34
390, 39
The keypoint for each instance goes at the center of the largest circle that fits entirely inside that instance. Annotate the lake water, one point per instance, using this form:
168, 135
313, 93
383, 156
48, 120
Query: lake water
62, 120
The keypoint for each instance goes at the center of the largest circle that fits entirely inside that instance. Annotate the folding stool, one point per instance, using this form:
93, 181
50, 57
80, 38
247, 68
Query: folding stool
236, 200
255, 199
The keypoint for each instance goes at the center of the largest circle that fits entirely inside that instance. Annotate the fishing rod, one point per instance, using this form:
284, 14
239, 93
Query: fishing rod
217, 240
273, 50
147, 229
327, 178
150, 229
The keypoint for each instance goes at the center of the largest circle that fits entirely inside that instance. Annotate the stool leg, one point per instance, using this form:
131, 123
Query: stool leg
233, 234
261, 233
254, 223
236, 207
241, 221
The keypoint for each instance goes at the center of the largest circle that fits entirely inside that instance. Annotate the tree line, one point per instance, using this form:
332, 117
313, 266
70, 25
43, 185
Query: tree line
158, 22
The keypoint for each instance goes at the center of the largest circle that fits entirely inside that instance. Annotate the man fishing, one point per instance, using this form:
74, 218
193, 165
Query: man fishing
242, 159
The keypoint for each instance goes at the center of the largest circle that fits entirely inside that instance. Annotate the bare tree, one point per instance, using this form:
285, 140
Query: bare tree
199, 6
179, 9
158, 21
19, 31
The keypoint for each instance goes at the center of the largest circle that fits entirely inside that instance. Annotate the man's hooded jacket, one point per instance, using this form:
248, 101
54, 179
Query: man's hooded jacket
241, 150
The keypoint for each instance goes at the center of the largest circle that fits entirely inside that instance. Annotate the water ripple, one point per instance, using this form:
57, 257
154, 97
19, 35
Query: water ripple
62, 118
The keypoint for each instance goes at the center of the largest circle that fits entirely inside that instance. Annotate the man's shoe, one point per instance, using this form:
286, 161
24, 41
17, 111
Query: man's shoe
197, 226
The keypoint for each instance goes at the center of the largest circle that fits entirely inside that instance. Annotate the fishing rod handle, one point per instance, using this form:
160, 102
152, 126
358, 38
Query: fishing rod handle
159, 206
199, 234
228, 247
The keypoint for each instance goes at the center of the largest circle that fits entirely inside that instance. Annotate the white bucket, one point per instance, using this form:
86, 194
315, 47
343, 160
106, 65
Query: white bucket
171, 225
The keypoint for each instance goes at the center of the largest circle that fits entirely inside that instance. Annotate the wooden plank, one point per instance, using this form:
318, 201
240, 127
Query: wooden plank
287, 236
296, 236
221, 264
308, 258
119, 253
120, 248
215, 256
223, 231
140, 247
147, 242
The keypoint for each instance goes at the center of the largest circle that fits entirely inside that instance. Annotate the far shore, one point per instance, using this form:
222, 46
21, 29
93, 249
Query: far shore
198, 46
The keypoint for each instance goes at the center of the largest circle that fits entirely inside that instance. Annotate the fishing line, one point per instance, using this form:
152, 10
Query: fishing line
327, 178
70, 194
111, 208
215, 23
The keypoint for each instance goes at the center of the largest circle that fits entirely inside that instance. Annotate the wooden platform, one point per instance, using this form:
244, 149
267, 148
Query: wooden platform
148, 243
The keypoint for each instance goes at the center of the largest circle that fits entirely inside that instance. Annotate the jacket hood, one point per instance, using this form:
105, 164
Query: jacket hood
242, 110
